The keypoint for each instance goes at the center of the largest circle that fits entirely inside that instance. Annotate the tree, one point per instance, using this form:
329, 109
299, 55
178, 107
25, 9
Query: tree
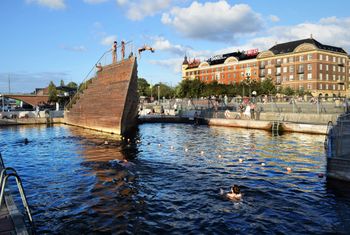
190, 88
143, 87
288, 91
62, 83
52, 92
267, 87
72, 85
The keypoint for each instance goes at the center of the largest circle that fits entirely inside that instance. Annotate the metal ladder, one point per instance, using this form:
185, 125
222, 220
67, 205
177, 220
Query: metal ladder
275, 127
6, 173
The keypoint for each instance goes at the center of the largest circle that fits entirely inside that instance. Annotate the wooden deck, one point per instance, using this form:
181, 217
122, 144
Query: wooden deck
11, 220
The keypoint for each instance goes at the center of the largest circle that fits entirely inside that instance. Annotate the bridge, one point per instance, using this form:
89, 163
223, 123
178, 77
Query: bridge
33, 100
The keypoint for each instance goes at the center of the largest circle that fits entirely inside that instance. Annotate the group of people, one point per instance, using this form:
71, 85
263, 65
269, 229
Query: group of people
114, 51
247, 111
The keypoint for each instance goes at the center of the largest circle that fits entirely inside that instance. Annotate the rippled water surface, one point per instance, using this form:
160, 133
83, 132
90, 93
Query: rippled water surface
76, 184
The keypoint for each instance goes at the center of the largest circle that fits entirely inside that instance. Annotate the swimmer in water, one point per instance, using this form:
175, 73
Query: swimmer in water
235, 193
26, 141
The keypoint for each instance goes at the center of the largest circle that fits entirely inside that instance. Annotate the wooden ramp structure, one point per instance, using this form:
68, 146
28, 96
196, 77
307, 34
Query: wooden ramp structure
109, 102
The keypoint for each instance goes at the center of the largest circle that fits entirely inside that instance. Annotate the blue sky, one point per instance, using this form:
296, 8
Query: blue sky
50, 40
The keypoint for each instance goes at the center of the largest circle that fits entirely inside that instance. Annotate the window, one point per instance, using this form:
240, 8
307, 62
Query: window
309, 56
291, 68
333, 86
301, 58
326, 86
301, 68
320, 86
339, 60
269, 71
269, 62
327, 77
334, 59
285, 78
309, 86
229, 75
229, 68
291, 77
291, 59
338, 69
326, 67
309, 76
333, 68
284, 60
320, 76
278, 61
320, 66
321, 57
309, 67
301, 77
338, 87
333, 77
327, 58
278, 70
285, 69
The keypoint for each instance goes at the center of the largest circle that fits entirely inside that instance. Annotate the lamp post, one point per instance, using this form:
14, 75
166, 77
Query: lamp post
158, 93
151, 93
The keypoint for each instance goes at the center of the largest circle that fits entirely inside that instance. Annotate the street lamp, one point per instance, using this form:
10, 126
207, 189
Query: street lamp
158, 93
151, 93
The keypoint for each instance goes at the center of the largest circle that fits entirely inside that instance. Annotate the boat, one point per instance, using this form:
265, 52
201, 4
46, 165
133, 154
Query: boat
337, 146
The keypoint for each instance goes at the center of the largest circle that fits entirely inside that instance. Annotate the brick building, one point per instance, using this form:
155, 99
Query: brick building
303, 64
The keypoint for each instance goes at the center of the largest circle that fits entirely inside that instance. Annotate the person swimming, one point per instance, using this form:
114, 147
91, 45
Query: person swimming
235, 193
26, 141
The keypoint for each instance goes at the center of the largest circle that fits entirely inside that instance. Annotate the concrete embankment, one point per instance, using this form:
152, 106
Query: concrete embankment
30, 121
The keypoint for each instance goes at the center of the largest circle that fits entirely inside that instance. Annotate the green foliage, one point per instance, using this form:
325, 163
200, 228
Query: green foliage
72, 85
267, 87
62, 83
143, 87
52, 93
288, 91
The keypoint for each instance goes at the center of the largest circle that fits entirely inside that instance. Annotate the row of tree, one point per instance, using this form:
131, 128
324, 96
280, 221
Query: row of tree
196, 88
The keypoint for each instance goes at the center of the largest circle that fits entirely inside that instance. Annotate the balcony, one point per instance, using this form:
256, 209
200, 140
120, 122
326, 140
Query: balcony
278, 83
340, 82
278, 64
262, 75
262, 66
278, 73
300, 71
341, 64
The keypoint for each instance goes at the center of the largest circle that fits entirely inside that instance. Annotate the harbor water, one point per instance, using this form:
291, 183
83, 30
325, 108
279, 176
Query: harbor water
77, 183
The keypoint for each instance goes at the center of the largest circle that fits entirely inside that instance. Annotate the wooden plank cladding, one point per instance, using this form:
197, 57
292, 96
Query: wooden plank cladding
109, 104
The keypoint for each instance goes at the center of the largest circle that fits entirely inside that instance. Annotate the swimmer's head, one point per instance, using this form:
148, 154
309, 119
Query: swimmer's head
235, 189
26, 141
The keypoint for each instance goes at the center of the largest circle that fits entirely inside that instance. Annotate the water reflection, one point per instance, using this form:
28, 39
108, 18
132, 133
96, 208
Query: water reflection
76, 183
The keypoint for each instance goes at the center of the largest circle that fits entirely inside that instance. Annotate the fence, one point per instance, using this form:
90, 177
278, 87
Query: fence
266, 104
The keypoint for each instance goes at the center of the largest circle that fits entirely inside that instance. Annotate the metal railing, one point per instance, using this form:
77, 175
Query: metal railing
6, 173
105, 59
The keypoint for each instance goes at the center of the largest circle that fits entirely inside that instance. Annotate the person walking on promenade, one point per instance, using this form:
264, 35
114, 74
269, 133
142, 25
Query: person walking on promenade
114, 52
123, 50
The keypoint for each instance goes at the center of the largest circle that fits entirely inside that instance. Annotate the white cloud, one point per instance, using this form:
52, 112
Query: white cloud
95, 1
80, 48
122, 2
174, 64
274, 18
108, 41
162, 44
214, 21
53, 4
139, 9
